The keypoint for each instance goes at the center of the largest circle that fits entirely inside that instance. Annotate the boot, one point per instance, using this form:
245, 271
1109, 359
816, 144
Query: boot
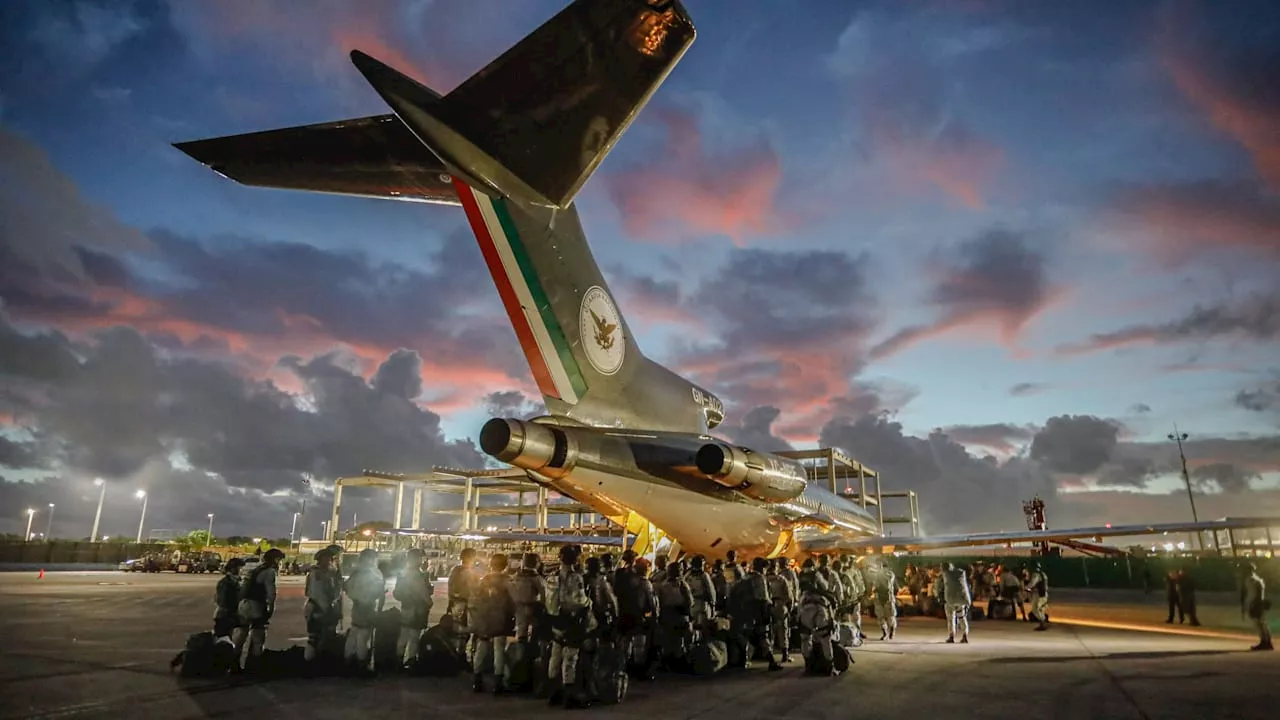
1041, 626
500, 687
884, 633
951, 639
964, 639
557, 697
891, 631
477, 683
574, 699
774, 666
1262, 646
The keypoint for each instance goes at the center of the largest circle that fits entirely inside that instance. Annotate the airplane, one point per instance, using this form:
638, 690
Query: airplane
513, 145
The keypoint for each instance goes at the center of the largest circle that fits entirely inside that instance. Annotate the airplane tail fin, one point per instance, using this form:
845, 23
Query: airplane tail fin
535, 123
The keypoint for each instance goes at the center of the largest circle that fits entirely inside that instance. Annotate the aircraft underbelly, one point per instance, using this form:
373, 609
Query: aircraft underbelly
700, 525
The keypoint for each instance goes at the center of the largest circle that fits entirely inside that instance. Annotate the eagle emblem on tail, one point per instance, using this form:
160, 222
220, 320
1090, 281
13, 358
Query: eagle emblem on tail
604, 331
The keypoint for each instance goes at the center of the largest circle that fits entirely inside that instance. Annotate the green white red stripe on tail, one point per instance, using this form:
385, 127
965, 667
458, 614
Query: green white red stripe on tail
540, 334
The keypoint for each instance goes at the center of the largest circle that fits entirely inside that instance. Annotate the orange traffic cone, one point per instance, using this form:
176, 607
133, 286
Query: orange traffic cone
41, 574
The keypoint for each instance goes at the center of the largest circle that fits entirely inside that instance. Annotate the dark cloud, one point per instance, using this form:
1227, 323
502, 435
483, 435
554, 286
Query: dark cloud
19, 455
1140, 408
512, 403
789, 330
248, 432
1260, 398
1253, 318
1195, 221
44, 219
756, 430
1127, 472
400, 375
1001, 437
1077, 444
1027, 388
958, 490
1227, 66
1229, 477
996, 278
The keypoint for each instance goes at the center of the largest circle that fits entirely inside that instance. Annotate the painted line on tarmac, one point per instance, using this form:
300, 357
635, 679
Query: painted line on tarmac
1104, 625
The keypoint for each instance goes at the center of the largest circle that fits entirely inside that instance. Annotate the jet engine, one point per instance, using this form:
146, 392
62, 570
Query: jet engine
545, 449
757, 475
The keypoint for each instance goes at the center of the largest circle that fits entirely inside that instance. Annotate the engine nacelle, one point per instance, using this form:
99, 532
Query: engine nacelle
757, 475
545, 449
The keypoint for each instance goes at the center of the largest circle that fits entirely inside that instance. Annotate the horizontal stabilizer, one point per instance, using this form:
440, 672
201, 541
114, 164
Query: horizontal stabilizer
535, 123
370, 157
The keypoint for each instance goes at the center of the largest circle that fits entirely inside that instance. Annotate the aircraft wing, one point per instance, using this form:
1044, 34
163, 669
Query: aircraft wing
371, 157
831, 543
550, 539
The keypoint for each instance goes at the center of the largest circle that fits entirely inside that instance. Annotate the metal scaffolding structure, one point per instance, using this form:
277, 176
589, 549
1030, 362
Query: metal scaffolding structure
849, 478
472, 485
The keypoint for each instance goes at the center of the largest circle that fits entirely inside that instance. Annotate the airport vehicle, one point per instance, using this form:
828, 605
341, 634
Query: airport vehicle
513, 145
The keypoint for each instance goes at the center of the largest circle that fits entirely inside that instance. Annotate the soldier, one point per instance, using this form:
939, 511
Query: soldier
752, 612
1011, 589
783, 602
733, 572
855, 588
324, 604
1038, 587
413, 590
493, 619
720, 585
703, 591
258, 602
1254, 603
462, 580
529, 590
958, 599
368, 591
885, 585
816, 625
675, 606
574, 621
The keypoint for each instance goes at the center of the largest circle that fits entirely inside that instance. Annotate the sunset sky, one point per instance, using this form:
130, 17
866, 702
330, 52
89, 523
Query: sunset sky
990, 247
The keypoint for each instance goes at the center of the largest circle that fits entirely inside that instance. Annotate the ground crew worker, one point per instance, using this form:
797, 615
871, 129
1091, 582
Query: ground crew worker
493, 619
368, 591
958, 598
885, 585
703, 591
1038, 586
258, 603
783, 602
1254, 603
529, 590
324, 604
573, 622
413, 590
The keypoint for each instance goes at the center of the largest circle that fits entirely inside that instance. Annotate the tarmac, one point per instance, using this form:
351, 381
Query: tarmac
98, 644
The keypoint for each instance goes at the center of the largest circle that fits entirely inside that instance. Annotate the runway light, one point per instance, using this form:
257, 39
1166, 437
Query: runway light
367, 533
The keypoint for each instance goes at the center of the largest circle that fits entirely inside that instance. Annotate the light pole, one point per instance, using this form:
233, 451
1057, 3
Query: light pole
31, 515
141, 494
48, 527
208, 539
1178, 437
324, 532
93, 536
293, 529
